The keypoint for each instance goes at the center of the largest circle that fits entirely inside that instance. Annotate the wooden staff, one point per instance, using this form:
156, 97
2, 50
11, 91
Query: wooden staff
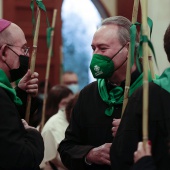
150, 57
48, 70
128, 69
145, 71
151, 64
33, 59
151, 61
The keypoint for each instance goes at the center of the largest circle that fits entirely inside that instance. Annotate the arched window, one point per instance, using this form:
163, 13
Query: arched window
80, 19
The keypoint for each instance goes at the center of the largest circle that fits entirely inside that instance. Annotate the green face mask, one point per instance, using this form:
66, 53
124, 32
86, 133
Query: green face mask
102, 66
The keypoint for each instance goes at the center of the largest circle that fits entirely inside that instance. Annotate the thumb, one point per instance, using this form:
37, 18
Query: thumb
27, 75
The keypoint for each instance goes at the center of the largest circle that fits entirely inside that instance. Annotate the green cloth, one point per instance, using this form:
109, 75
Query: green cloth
116, 95
5, 84
164, 80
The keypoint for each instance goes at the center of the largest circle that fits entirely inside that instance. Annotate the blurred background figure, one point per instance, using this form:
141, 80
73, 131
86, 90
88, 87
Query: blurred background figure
70, 79
57, 98
41, 87
54, 129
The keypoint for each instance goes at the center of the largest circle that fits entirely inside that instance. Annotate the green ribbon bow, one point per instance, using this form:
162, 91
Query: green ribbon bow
116, 95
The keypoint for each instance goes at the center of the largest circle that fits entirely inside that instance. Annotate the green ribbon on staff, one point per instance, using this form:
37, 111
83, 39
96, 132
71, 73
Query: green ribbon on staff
41, 6
49, 30
133, 31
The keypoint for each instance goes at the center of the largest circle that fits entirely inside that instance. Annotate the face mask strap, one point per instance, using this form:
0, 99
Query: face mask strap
118, 51
7, 65
12, 50
120, 65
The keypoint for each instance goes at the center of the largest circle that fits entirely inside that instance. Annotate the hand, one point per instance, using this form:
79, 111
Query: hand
29, 83
100, 155
141, 151
115, 124
26, 126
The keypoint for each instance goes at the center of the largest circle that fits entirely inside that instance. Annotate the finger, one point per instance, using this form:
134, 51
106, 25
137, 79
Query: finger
140, 146
33, 81
114, 130
135, 156
108, 145
35, 75
107, 161
116, 122
32, 92
107, 156
24, 122
32, 87
148, 149
114, 134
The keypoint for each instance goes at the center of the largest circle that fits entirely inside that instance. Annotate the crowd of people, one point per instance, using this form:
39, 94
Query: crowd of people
83, 129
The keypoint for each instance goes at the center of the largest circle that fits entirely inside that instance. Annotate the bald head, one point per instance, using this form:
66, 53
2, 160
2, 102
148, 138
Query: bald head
11, 35
12, 41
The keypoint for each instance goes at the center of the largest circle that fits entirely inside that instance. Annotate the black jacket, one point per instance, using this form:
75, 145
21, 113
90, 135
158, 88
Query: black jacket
89, 128
20, 149
130, 130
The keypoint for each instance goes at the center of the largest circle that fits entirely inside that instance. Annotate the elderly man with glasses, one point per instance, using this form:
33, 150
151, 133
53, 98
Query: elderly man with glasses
21, 146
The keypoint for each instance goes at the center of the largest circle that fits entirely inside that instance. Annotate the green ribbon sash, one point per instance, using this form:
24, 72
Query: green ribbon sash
164, 80
5, 84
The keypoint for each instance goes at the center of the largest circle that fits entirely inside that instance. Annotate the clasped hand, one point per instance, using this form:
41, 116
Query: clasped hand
29, 83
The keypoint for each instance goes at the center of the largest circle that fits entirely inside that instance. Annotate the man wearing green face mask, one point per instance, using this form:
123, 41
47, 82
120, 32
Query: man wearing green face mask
88, 137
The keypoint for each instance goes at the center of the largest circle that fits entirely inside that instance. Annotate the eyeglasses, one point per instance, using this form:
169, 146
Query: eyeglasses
24, 49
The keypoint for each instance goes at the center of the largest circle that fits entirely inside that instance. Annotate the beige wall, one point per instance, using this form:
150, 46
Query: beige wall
159, 12
110, 6
1, 8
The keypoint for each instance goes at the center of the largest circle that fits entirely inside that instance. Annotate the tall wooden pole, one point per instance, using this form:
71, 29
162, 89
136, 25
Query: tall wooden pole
128, 69
48, 70
33, 60
151, 61
145, 71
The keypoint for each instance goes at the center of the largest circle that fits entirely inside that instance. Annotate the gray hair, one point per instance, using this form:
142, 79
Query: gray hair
124, 27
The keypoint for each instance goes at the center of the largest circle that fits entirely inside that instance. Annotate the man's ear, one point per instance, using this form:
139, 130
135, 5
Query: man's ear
127, 48
3, 52
127, 45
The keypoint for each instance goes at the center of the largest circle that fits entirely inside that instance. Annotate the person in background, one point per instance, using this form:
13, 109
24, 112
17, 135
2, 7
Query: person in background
129, 132
88, 138
54, 129
41, 87
35, 117
21, 145
69, 107
70, 79
55, 100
